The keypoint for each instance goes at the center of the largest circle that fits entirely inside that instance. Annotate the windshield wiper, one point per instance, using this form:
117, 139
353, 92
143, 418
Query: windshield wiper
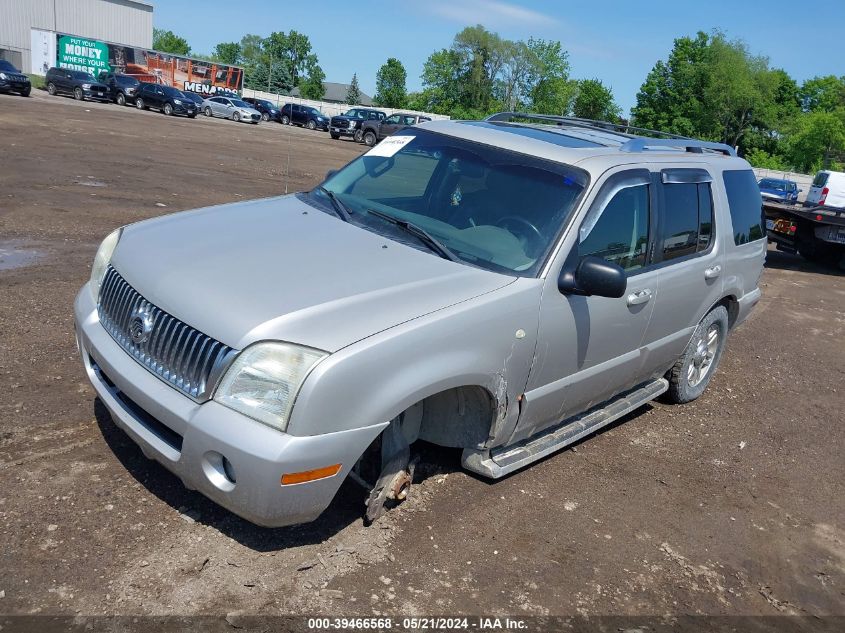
339, 208
420, 233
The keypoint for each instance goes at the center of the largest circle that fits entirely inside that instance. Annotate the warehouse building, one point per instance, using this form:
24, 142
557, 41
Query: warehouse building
23, 22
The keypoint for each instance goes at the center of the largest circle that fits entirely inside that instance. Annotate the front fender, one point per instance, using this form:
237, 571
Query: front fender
487, 341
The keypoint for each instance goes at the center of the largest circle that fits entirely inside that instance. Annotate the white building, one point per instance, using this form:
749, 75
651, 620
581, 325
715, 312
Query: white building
122, 21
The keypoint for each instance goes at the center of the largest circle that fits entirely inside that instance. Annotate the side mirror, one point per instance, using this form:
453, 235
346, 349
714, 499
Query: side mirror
594, 276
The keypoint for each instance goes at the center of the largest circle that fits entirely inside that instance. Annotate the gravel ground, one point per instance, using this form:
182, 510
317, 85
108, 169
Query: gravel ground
732, 505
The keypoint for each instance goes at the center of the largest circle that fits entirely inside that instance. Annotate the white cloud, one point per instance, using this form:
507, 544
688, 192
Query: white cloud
491, 13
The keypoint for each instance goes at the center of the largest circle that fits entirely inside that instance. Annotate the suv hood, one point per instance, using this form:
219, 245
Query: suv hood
281, 269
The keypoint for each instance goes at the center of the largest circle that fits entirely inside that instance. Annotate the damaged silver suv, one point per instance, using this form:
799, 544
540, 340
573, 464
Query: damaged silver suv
505, 286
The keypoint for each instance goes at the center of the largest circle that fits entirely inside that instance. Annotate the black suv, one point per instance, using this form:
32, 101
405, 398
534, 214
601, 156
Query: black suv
268, 109
349, 124
167, 99
306, 116
13, 80
77, 83
123, 87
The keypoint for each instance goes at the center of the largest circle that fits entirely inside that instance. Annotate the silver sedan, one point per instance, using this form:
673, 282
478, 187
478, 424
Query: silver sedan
230, 108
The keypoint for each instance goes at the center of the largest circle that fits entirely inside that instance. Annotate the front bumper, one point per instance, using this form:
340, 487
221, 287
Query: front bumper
96, 94
186, 110
11, 85
190, 439
343, 131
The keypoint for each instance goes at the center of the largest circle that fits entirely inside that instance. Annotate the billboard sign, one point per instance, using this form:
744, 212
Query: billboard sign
97, 57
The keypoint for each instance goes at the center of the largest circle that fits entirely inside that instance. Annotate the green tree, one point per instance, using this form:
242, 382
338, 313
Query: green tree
441, 78
311, 86
353, 94
390, 84
817, 138
594, 100
547, 88
823, 94
227, 53
169, 42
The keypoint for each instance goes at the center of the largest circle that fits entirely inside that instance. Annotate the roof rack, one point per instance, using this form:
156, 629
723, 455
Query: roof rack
640, 139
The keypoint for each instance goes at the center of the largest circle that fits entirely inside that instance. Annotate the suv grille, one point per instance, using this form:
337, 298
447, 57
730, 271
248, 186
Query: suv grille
181, 356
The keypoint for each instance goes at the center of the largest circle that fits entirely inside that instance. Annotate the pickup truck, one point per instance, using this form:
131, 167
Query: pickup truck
375, 130
349, 124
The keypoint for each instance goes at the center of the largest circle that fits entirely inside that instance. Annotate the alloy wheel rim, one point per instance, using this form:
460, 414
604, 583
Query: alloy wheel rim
703, 356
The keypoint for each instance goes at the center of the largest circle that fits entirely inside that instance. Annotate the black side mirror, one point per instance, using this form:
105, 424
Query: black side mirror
594, 276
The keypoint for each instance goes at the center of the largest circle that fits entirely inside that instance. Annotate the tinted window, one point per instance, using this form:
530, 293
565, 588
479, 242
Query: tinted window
4, 65
688, 219
820, 180
171, 92
78, 74
620, 234
746, 206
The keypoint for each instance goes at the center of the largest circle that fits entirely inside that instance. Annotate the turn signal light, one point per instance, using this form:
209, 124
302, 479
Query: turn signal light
310, 475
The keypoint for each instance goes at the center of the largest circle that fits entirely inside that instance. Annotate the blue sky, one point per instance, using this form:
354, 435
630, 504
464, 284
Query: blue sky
615, 41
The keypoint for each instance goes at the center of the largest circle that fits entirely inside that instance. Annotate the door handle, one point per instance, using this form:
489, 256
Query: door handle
639, 297
712, 273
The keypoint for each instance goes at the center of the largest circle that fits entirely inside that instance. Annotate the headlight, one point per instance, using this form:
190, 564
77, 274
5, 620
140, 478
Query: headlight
265, 379
101, 261
86, 86
177, 101
3, 76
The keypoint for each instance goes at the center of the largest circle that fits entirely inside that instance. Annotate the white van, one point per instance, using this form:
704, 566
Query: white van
828, 189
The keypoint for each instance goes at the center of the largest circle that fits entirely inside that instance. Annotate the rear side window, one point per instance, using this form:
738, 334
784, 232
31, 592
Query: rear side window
688, 219
746, 205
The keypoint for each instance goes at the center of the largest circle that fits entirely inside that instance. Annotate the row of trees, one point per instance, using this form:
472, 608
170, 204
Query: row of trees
713, 88
709, 87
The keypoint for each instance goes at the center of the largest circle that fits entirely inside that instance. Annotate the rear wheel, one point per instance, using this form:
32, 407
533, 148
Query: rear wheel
121, 99
369, 138
51, 88
77, 94
690, 376
167, 109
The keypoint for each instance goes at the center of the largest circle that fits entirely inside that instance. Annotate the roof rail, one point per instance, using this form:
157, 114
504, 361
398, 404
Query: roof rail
594, 124
641, 144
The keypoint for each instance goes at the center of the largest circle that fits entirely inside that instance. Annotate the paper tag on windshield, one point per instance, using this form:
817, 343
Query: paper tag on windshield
389, 146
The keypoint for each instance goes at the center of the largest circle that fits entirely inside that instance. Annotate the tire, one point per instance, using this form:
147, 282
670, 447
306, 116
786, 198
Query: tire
236, 117
26, 92
370, 138
51, 89
691, 374
334, 136
139, 103
285, 119
167, 109
192, 116
120, 99
358, 136
311, 125
207, 111
77, 94
265, 117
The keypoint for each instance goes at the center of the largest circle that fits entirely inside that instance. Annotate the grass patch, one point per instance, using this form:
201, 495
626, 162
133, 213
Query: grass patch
37, 82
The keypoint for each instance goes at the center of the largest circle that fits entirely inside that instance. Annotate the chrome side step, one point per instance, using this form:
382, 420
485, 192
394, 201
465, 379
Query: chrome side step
501, 461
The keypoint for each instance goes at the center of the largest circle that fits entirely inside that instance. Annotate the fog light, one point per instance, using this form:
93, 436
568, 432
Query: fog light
219, 471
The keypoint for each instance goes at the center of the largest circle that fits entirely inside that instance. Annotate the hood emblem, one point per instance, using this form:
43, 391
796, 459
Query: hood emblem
140, 324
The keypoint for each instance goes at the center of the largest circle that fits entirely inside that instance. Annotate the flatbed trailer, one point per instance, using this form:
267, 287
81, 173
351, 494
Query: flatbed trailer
815, 233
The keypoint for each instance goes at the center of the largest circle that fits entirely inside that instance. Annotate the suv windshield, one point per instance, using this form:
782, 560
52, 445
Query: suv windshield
492, 208
4, 65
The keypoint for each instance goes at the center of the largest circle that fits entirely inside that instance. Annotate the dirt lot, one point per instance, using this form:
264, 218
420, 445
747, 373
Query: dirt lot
730, 505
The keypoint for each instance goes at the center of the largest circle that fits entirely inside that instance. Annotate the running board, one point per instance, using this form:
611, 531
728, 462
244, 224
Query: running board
500, 461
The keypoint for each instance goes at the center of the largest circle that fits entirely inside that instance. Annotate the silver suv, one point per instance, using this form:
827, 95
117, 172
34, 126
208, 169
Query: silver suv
505, 286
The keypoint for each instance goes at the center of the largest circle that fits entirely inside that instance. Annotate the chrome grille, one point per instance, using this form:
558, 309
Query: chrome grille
180, 355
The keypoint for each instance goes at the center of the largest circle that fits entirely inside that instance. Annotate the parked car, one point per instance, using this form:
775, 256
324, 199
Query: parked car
779, 190
349, 124
374, 130
13, 80
197, 99
123, 88
827, 190
506, 289
166, 99
230, 108
305, 116
77, 83
269, 111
